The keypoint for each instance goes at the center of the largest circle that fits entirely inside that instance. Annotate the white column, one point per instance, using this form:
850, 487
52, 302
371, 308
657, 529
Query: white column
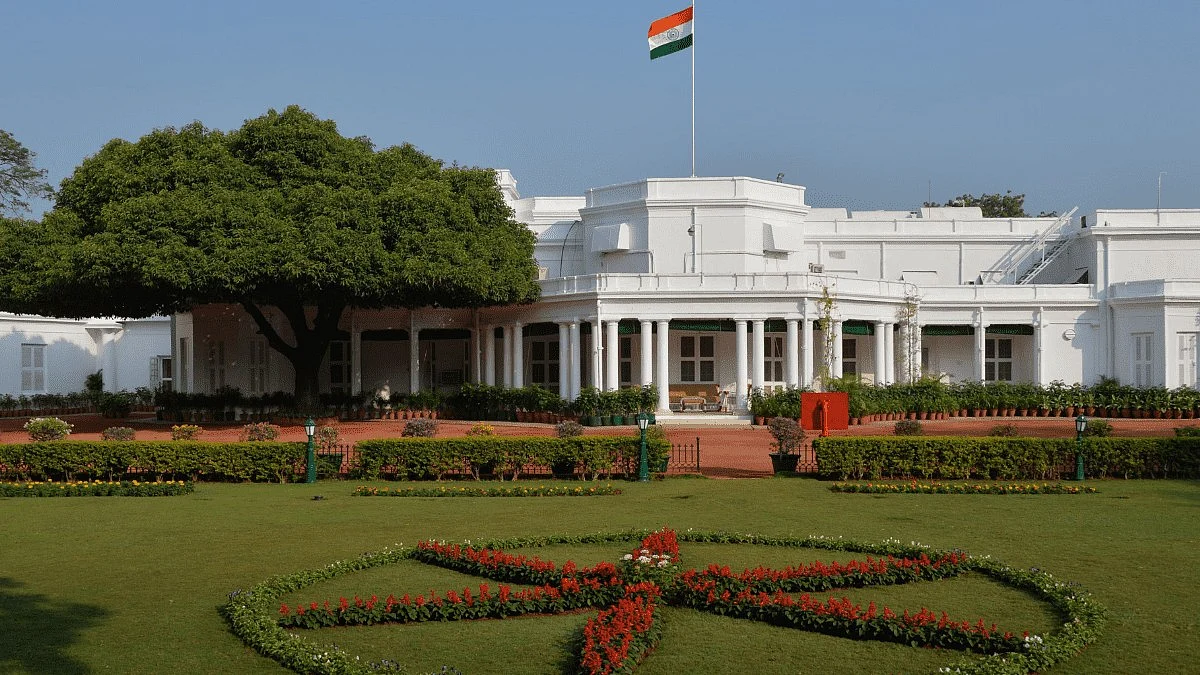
741, 361
597, 354
564, 360
890, 352
506, 355
575, 361
758, 349
477, 351
414, 358
355, 360
518, 353
489, 355
106, 357
835, 368
791, 363
647, 352
918, 342
662, 378
809, 349
880, 347
980, 345
1038, 347
612, 379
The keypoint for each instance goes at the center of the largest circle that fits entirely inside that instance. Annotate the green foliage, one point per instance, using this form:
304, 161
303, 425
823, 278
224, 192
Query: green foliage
1005, 430
908, 428
47, 429
1004, 458
568, 429
283, 213
420, 428
115, 404
787, 434
118, 434
97, 489
997, 205
259, 431
489, 491
1187, 432
417, 458
194, 460
185, 432
327, 438
1097, 429
19, 178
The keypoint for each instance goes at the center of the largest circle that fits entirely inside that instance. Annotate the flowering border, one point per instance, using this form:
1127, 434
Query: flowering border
96, 488
490, 491
255, 615
935, 487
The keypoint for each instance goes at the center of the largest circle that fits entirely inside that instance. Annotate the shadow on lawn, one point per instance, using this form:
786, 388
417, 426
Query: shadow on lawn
35, 631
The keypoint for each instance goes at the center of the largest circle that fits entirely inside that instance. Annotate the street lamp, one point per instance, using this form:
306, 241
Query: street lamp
643, 421
310, 428
1080, 427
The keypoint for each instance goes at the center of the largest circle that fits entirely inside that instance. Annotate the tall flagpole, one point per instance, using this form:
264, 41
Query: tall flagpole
693, 88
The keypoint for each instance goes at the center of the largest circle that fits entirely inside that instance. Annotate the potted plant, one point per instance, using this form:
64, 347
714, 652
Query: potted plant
587, 404
788, 439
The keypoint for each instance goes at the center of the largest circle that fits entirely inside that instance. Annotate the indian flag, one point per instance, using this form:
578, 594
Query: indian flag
671, 34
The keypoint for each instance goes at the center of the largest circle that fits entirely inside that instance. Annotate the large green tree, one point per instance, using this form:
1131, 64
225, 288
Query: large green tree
283, 213
997, 205
20, 179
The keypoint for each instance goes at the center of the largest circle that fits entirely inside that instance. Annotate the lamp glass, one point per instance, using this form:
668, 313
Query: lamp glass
643, 421
310, 427
1081, 424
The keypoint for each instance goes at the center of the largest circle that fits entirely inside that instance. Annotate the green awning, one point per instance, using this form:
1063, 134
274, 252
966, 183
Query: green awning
948, 330
1010, 329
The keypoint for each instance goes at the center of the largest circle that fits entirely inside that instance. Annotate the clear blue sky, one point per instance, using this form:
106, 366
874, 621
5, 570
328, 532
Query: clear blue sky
1072, 102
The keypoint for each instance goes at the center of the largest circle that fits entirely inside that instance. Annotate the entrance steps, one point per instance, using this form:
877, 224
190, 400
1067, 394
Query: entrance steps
703, 419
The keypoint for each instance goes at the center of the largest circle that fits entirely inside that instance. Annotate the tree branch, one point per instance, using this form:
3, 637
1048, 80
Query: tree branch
269, 332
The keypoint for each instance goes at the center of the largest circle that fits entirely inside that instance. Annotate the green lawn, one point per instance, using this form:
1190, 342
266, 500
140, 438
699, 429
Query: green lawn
134, 584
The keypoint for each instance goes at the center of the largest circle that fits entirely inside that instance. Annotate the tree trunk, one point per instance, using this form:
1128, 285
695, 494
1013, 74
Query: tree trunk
311, 343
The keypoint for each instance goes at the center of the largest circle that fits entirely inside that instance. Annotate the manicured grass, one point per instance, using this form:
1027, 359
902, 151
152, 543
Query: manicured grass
133, 585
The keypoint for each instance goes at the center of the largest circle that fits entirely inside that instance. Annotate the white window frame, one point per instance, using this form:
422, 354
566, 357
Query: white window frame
33, 368
1143, 359
257, 365
693, 366
216, 365
162, 373
625, 360
850, 356
549, 362
993, 362
1189, 373
773, 360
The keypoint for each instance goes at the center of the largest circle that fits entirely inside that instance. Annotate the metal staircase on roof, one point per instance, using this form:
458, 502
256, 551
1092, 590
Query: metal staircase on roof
1044, 249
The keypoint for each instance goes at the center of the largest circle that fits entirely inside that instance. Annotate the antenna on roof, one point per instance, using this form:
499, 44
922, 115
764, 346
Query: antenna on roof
779, 177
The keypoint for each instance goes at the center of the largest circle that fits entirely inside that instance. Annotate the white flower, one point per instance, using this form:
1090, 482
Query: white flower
627, 556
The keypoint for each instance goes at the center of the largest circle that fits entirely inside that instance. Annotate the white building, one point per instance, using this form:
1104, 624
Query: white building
701, 285
54, 356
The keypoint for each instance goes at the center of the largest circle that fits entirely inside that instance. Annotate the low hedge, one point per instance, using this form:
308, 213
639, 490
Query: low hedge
417, 458
1001, 458
193, 460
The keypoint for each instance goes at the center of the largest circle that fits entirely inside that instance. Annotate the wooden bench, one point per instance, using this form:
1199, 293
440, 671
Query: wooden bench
694, 397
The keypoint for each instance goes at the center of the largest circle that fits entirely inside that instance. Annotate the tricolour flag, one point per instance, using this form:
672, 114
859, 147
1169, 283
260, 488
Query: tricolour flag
671, 34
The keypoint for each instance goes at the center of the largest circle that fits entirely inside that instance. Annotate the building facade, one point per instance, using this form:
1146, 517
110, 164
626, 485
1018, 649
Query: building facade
55, 356
717, 286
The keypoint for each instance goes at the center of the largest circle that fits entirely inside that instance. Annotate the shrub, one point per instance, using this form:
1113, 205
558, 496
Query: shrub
259, 431
481, 429
328, 438
909, 428
420, 428
185, 432
1187, 432
1006, 430
116, 404
48, 429
117, 434
1097, 429
568, 429
787, 433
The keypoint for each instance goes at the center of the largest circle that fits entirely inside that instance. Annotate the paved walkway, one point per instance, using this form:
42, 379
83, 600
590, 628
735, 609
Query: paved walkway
725, 452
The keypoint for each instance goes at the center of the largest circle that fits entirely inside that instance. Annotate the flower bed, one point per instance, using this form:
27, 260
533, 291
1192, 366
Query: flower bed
627, 627
96, 489
490, 491
930, 488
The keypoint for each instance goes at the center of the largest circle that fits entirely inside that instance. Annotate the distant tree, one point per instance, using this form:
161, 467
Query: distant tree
997, 205
283, 213
19, 178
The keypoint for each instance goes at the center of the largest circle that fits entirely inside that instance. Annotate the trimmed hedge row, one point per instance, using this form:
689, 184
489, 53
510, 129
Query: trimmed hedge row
194, 460
417, 458
873, 458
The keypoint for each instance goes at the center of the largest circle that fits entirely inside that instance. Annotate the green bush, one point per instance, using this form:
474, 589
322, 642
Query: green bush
420, 428
908, 428
158, 460
48, 429
259, 431
185, 432
1097, 429
1187, 432
417, 458
1004, 430
118, 434
844, 458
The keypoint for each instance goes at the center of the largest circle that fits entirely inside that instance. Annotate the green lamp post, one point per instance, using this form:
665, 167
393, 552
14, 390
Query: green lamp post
310, 428
1080, 427
643, 420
